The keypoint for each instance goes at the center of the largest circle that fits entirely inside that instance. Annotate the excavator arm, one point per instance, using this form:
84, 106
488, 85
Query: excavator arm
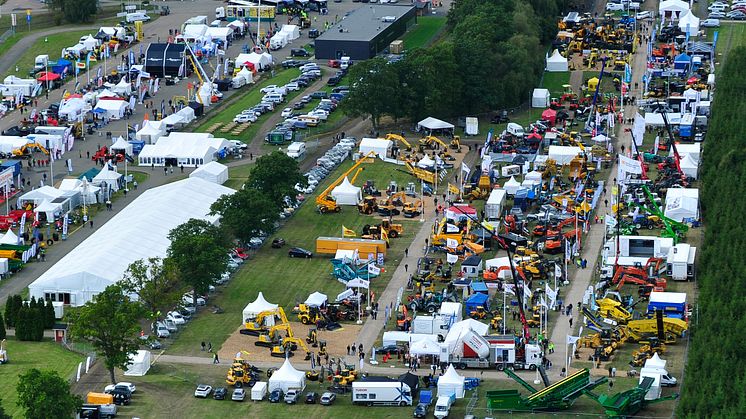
324, 201
399, 138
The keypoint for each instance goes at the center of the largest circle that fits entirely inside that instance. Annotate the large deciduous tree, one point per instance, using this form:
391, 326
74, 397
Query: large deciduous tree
155, 283
246, 213
44, 394
111, 323
74, 11
199, 252
275, 174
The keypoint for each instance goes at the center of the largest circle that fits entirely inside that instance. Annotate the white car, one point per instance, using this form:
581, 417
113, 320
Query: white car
718, 7
614, 7
313, 72
203, 390
176, 317
292, 86
710, 23
238, 144
108, 389
716, 15
162, 331
270, 88
319, 114
644, 15
239, 394
188, 299
244, 118
286, 112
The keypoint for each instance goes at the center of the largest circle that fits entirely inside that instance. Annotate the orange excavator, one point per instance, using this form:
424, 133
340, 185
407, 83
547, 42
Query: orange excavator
551, 230
493, 274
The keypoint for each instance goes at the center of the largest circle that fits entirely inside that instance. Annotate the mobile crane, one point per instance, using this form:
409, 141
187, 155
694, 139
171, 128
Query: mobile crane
325, 203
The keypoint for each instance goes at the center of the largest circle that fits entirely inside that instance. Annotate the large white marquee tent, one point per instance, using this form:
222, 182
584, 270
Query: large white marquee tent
212, 172
347, 194
139, 231
182, 148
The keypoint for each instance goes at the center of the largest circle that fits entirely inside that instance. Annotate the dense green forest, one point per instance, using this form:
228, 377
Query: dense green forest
715, 377
491, 57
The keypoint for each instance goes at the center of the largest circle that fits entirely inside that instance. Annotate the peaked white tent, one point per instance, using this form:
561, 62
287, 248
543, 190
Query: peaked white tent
689, 166
689, 22
556, 62
682, 203
38, 195
89, 42
9, 238
212, 172
425, 346
122, 145
287, 377
139, 364
451, 383
534, 175
426, 162
112, 108
257, 306
292, 32
246, 74
431, 123
109, 177
655, 362
122, 88
378, 145
316, 299
693, 150
151, 131
346, 193
673, 8
540, 98
511, 186
49, 208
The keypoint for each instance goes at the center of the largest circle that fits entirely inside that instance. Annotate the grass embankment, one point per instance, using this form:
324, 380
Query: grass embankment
424, 32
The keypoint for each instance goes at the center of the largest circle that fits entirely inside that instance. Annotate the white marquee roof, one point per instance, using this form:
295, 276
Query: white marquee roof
138, 231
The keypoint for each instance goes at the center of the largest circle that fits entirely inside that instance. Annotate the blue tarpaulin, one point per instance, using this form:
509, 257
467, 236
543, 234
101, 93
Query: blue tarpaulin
476, 300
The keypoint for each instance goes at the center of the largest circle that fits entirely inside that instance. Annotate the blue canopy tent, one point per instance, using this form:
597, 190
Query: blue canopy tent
682, 62
477, 300
479, 287
61, 64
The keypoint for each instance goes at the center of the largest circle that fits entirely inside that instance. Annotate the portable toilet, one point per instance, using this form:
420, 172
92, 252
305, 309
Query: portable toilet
426, 396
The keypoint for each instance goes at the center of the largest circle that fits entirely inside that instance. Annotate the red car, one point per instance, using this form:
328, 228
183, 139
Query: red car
240, 253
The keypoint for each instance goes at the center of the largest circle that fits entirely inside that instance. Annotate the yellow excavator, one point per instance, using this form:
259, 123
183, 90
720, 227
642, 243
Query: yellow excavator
325, 203
444, 230
430, 141
271, 338
456, 143
26, 150
419, 173
288, 345
256, 326
399, 138
309, 315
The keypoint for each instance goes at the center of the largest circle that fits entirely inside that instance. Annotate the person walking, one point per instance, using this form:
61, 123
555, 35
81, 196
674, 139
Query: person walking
209, 346
348, 349
91, 222
202, 346
215, 359
406, 267
570, 321
406, 252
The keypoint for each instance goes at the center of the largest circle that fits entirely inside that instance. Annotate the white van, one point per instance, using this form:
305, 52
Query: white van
137, 17
296, 150
273, 97
515, 129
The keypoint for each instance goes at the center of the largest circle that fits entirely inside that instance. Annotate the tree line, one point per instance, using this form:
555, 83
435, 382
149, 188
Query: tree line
491, 58
29, 318
714, 370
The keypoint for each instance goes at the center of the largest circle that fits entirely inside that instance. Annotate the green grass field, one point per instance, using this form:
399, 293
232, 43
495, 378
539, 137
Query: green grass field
288, 281
730, 35
554, 81
422, 34
26, 355
54, 45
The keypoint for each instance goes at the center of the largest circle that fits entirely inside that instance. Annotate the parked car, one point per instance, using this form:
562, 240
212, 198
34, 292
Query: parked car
333, 81
313, 33
292, 396
270, 88
175, 317
220, 393
162, 331
293, 86
614, 7
716, 15
278, 243
290, 63
299, 52
421, 410
390, 349
275, 396
239, 394
710, 23
320, 95
297, 252
328, 398
647, 14
311, 398
123, 385
203, 390
244, 118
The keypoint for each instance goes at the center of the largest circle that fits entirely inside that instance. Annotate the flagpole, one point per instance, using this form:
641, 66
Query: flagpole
567, 358
504, 307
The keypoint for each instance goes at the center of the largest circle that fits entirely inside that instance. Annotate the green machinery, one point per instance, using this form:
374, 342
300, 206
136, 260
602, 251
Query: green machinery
671, 228
628, 403
558, 396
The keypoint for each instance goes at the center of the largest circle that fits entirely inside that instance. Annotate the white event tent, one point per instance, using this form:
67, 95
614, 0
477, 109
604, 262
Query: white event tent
425, 346
316, 299
121, 145
212, 172
139, 364
379, 146
151, 131
139, 231
287, 377
431, 124
346, 193
563, 154
182, 148
451, 383
682, 203
257, 306
556, 62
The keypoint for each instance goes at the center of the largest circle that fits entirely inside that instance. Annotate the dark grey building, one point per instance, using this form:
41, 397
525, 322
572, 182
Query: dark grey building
365, 32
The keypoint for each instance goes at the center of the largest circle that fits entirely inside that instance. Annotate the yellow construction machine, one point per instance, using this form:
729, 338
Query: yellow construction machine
368, 205
444, 230
288, 345
641, 330
412, 208
401, 139
25, 150
309, 315
272, 336
456, 143
614, 310
420, 173
345, 377
256, 327
239, 373
325, 203
430, 141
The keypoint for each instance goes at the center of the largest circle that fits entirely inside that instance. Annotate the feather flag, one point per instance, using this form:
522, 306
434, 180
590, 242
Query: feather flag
346, 232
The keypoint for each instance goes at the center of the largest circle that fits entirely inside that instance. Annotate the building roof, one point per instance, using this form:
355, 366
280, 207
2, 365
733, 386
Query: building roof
365, 23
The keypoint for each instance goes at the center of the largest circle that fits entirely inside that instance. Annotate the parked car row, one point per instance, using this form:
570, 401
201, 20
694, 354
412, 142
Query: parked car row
292, 396
325, 164
722, 10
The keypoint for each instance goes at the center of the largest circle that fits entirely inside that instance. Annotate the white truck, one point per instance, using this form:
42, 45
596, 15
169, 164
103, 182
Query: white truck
493, 208
499, 352
381, 391
296, 150
443, 406
41, 61
278, 41
136, 17
680, 262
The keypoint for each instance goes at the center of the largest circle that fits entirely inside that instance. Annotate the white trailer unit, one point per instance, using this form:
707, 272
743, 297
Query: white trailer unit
680, 262
472, 126
493, 208
259, 391
636, 249
381, 392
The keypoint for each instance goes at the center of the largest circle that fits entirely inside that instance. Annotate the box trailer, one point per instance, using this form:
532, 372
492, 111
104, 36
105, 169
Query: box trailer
365, 247
381, 391
259, 391
680, 262
99, 398
493, 208
472, 126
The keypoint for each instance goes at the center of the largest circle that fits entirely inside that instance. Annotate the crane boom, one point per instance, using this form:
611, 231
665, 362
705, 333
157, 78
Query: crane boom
324, 201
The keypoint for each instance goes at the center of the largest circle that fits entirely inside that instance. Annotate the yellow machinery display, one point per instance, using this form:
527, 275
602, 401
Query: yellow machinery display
444, 230
308, 315
421, 174
614, 310
399, 138
272, 336
345, 377
456, 143
412, 208
288, 345
430, 141
393, 230
239, 373
325, 203
640, 330
330, 245
256, 326
26, 149
368, 205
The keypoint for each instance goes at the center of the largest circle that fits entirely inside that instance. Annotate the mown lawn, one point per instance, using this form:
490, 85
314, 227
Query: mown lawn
554, 81
27, 355
426, 29
54, 45
288, 281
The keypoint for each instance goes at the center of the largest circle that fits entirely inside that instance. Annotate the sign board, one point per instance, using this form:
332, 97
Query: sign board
13, 19
122, 14
6, 176
130, 7
261, 12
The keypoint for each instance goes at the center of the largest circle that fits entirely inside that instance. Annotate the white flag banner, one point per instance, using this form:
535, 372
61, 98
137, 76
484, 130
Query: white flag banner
450, 258
509, 288
551, 294
657, 143
465, 169
543, 302
451, 243
557, 272
373, 269
527, 294
572, 339
629, 165
609, 221
64, 225
638, 129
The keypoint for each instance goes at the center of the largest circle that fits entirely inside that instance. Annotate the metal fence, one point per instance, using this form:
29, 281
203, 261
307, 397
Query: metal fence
7, 34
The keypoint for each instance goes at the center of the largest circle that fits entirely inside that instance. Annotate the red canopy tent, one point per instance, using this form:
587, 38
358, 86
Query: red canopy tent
48, 76
250, 65
549, 115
